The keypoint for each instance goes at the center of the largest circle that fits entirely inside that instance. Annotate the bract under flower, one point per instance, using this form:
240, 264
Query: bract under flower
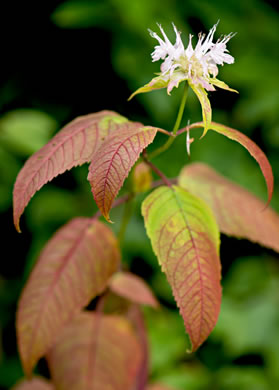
198, 66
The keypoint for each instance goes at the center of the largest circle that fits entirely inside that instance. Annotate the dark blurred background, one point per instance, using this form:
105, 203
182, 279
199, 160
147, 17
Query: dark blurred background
61, 59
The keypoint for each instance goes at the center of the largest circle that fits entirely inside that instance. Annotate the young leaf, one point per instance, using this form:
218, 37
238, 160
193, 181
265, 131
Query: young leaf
111, 164
205, 104
252, 148
74, 145
35, 383
156, 83
133, 288
96, 352
238, 212
185, 238
73, 268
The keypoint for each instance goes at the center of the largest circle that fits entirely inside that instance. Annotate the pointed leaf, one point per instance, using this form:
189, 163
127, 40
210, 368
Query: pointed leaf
205, 104
221, 84
73, 268
34, 384
185, 238
111, 164
252, 148
96, 352
156, 83
74, 145
133, 288
238, 212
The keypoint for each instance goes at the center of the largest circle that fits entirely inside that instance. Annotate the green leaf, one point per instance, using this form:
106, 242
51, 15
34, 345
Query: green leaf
25, 131
238, 212
156, 83
185, 238
205, 104
221, 84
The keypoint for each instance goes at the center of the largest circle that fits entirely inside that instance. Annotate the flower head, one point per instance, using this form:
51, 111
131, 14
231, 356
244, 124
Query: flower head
199, 65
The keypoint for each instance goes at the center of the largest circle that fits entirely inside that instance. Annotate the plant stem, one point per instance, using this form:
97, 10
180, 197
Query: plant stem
169, 142
181, 109
155, 169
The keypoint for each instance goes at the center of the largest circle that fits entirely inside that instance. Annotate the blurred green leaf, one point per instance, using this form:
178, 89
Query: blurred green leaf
81, 14
242, 378
24, 131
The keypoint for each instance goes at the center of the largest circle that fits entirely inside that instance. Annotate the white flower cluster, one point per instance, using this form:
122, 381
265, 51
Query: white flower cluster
197, 65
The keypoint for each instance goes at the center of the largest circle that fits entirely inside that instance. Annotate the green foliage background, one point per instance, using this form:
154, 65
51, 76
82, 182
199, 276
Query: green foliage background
64, 59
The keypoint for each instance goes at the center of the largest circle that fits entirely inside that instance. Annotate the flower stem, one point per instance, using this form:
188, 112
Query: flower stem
169, 142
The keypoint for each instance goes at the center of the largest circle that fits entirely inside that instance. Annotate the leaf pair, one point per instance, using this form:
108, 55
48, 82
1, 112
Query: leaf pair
79, 142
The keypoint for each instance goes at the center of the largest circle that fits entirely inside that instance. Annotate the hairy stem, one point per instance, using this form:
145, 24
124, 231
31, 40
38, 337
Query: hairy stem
169, 142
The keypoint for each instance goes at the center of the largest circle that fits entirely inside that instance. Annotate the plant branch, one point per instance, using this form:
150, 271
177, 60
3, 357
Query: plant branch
196, 125
156, 169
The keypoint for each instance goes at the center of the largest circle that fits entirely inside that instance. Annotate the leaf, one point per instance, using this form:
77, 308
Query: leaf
73, 268
185, 238
36, 383
96, 352
205, 104
252, 148
221, 84
111, 164
133, 288
136, 317
158, 82
24, 131
238, 212
74, 145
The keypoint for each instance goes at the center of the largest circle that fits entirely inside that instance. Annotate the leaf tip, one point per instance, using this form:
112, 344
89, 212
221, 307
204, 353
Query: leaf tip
205, 130
132, 95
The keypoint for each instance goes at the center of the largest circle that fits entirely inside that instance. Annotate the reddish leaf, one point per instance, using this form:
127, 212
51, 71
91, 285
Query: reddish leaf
252, 148
112, 163
73, 268
136, 317
74, 145
34, 384
185, 238
133, 288
238, 212
96, 352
